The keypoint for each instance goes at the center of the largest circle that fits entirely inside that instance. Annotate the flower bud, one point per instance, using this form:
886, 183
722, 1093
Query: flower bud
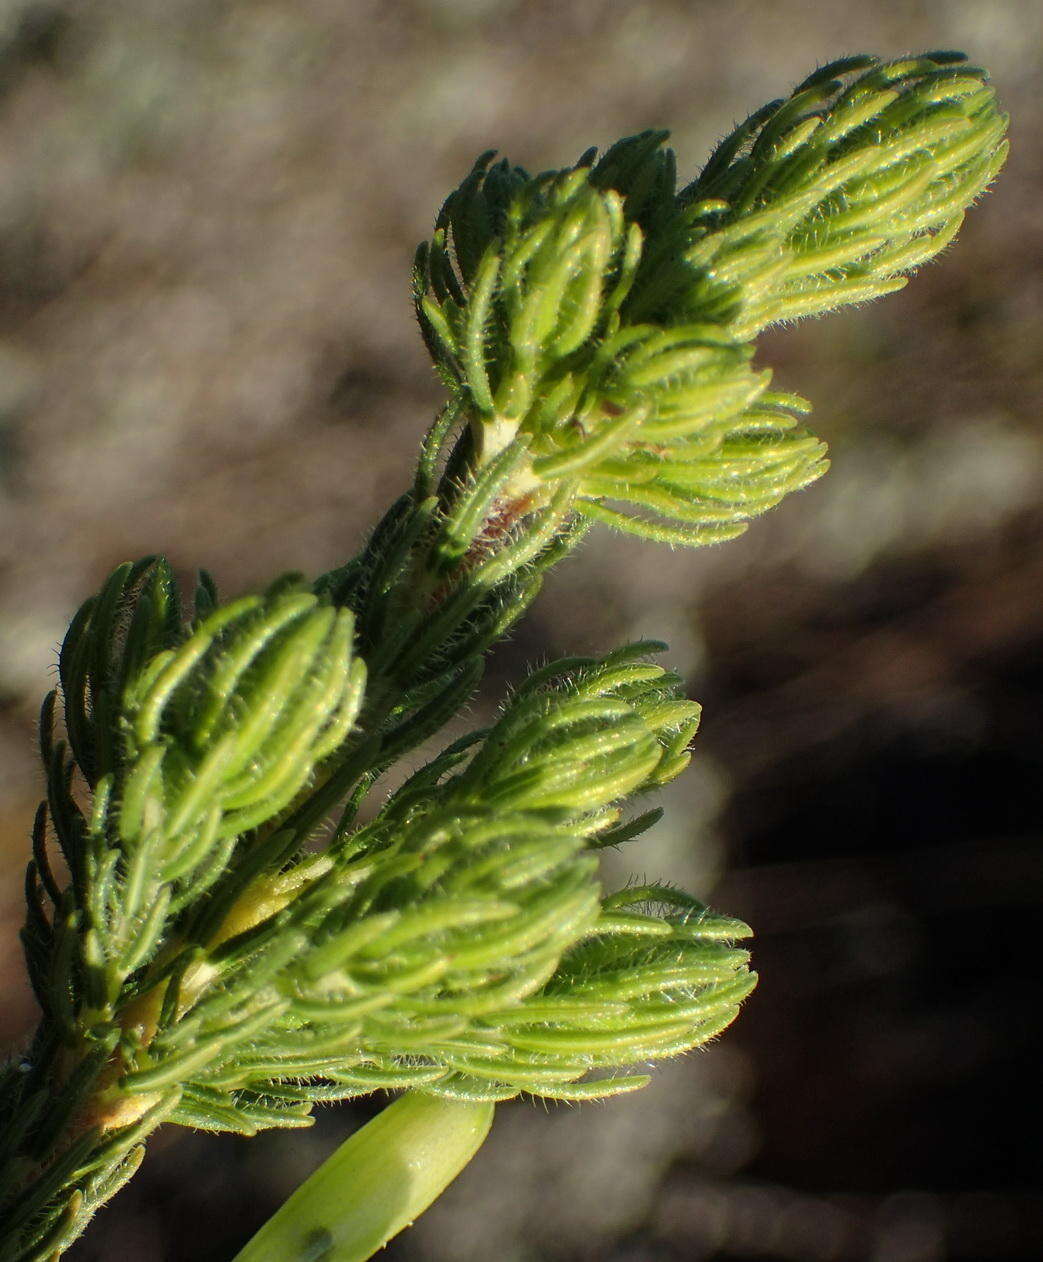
222, 732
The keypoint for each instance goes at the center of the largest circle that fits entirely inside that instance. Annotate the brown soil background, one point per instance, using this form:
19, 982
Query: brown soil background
207, 216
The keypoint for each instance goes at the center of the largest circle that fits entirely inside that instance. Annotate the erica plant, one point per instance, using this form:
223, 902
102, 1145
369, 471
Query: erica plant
198, 958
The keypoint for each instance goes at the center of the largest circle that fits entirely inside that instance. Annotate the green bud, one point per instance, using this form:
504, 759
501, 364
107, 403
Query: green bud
218, 736
596, 323
224, 731
854, 181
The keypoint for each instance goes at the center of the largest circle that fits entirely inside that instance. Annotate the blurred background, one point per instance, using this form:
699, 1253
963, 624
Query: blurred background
207, 217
